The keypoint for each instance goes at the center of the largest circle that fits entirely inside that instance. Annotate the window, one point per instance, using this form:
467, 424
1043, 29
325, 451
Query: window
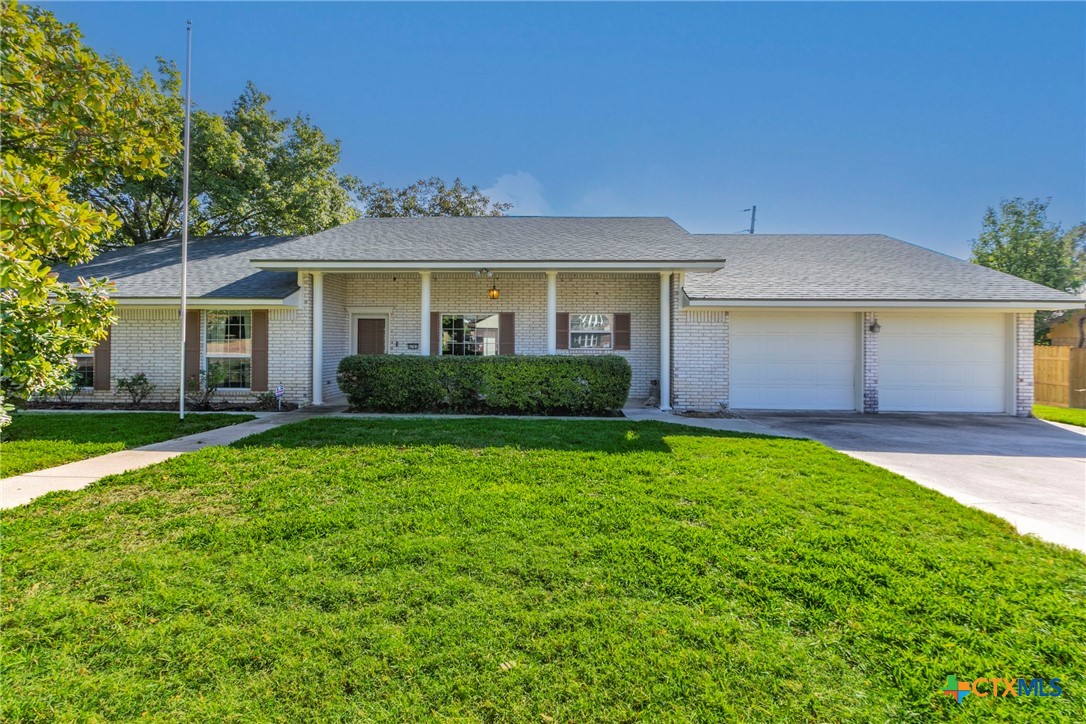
591, 331
229, 347
469, 334
83, 374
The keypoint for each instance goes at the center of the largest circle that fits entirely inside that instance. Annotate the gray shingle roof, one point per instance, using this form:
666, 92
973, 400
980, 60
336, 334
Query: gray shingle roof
497, 239
810, 267
218, 268
769, 267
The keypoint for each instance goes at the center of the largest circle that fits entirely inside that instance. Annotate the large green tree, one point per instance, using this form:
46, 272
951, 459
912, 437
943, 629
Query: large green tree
68, 117
1017, 238
428, 197
252, 172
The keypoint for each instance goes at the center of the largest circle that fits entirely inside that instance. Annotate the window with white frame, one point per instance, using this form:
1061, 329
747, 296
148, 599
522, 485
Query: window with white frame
591, 331
230, 347
469, 334
83, 373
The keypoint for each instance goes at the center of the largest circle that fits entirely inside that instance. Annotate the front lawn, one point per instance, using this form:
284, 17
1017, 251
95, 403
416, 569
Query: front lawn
512, 570
39, 440
1066, 415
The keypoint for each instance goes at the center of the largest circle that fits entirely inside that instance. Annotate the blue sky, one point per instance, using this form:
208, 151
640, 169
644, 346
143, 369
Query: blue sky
905, 119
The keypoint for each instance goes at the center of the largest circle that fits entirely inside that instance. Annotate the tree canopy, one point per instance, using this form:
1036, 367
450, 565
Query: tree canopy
68, 117
428, 197
1017, 238
251, 172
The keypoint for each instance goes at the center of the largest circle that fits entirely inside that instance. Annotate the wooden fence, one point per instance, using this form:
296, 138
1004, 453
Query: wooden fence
1059, 376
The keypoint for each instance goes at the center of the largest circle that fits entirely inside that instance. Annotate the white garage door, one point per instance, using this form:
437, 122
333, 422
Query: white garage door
793, 360
942, 362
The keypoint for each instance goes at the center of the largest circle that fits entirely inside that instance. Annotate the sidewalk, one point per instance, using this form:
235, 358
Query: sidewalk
21, 489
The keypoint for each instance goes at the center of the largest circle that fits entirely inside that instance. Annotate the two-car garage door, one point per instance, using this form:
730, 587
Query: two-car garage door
928, 362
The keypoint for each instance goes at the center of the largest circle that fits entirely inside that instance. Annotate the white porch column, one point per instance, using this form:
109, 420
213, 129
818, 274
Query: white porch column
665, 341
424, 317
318, 337
552, 312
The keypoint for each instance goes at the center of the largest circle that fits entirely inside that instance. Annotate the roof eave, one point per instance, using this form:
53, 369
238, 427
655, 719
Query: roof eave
318, 265
876, 304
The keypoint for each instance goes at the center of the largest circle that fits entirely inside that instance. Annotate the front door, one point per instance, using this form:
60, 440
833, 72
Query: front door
371, 336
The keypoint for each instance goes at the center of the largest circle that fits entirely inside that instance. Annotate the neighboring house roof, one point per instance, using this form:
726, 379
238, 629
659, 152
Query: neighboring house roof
490, 239
745, 268
218, 268
860, 267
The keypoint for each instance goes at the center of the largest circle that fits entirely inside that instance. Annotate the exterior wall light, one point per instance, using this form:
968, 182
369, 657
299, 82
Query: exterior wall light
875, 327
493, 293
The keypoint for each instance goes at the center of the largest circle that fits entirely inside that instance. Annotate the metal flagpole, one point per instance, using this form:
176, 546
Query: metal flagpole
185, 215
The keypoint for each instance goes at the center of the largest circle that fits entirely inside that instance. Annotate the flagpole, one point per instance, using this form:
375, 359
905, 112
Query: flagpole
185, 214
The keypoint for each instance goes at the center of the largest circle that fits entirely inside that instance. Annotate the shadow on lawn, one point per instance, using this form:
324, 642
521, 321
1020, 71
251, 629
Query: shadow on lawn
614, 437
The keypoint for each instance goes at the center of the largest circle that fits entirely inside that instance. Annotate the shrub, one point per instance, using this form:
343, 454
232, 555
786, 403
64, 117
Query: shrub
552, 385
137, 387
201, 388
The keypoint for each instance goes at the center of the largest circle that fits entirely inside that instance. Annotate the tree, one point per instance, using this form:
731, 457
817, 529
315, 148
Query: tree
428, 197
1018, 239
251, 173
67, 117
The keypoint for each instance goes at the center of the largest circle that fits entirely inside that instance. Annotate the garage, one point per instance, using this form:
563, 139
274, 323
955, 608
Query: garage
793, 360
943, 362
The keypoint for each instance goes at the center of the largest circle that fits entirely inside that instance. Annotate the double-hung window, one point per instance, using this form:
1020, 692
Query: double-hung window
591, 331
230, 347
83, 374
469, 334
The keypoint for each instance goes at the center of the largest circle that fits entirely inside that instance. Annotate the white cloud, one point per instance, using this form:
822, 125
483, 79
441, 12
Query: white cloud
521, 189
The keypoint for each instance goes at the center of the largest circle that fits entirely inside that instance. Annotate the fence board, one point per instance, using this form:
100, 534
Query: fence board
1059, 376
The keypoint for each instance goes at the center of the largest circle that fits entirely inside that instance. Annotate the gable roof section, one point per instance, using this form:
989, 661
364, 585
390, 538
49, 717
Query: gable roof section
844, 268
219, 268
495, 239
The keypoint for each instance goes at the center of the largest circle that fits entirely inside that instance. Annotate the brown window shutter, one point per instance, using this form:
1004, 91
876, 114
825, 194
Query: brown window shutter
435, 333
258, 372
507, 333
622, 331
561, 325
101, 363
192, 344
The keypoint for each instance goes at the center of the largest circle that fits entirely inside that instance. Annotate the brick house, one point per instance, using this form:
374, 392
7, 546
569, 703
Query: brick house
805, 322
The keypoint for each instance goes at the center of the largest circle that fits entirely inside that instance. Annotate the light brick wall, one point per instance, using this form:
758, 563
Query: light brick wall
336, 331
148, 340
524, 294
1023, 364
870, 364
699, 355
637, 294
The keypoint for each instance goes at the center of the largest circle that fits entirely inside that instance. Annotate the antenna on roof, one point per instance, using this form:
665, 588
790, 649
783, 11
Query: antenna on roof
753, 215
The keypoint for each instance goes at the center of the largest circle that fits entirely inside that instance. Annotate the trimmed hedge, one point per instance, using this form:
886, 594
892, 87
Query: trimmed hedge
512, 385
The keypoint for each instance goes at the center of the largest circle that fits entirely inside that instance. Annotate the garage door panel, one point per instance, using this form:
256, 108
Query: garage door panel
942, 362
788, 361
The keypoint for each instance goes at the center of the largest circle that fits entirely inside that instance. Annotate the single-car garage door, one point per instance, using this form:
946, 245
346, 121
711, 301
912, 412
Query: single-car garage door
793, 360
942, 362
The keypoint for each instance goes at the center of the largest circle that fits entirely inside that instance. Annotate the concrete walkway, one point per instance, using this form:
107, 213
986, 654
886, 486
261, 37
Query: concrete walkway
21, 489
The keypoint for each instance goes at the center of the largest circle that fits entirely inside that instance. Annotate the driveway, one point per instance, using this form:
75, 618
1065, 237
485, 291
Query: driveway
1029, 472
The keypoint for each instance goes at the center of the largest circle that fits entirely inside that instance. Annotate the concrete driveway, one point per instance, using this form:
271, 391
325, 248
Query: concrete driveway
1029, 472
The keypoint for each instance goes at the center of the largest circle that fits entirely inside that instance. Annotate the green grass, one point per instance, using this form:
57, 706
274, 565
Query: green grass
35, 441
511, 570
1066, 415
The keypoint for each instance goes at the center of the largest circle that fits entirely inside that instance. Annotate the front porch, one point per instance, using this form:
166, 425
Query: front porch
487, 311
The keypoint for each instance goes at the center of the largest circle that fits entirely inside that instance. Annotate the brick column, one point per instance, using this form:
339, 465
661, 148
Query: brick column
1023, 364
870, 364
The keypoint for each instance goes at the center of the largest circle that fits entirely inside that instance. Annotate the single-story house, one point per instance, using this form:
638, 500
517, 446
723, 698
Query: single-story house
764, 321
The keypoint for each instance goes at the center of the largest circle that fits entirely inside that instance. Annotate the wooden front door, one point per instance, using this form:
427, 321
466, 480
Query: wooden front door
371, 336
